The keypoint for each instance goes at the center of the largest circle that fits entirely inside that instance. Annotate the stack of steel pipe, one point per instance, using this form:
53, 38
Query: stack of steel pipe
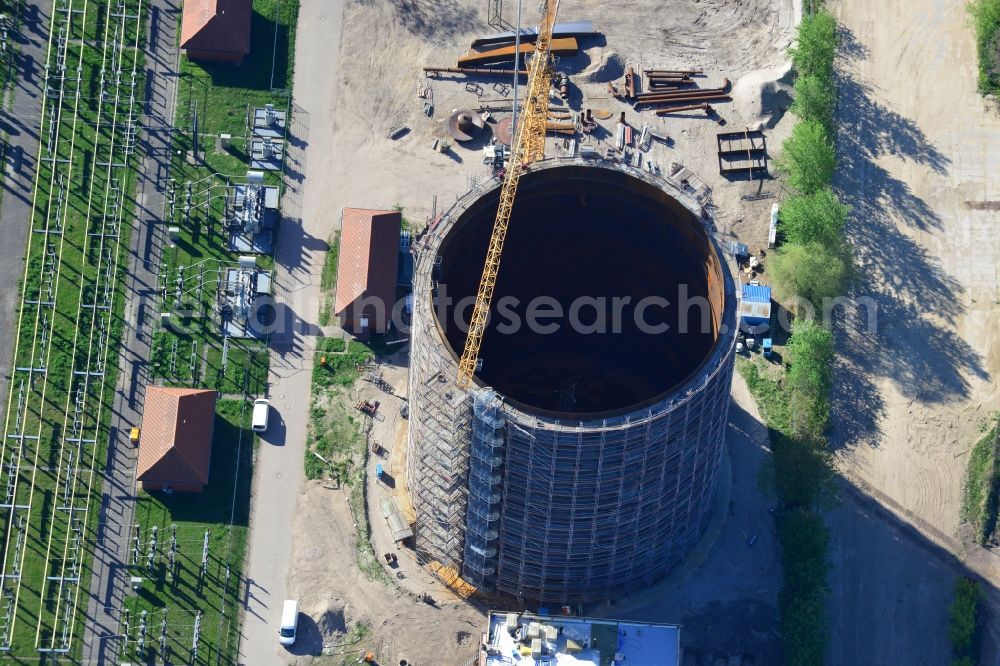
687, 96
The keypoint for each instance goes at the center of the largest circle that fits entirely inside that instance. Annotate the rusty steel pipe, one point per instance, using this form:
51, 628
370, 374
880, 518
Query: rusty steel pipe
476, 71
681, 94
692, 100
707, 108
681, 100
723, 89
672, 71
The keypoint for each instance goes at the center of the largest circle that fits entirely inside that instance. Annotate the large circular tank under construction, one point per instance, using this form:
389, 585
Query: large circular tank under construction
583, 462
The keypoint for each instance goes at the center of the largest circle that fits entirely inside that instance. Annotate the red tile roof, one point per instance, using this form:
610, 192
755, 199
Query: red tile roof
175, 444
216, 25
369, 256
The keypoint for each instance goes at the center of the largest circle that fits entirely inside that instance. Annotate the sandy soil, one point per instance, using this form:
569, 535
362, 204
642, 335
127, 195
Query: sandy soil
920, 157
390, 40
920, 151
335, 595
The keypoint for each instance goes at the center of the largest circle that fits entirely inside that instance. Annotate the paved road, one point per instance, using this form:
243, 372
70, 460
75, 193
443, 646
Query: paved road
20, 123
109, 580
278, 470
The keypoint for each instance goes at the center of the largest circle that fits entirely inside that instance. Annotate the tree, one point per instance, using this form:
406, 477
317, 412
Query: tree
808, 157
809, 381
810, 271
815, 98
817, 45
814, 218
962, 625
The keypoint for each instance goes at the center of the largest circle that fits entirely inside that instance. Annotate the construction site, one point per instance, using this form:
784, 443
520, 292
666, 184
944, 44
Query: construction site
576, 471
467, 333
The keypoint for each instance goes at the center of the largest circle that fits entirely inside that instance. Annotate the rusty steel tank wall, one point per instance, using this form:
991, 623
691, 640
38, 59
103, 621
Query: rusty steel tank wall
561, 508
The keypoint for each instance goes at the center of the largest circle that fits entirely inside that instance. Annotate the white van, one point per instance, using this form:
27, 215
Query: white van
289, 622
261, 410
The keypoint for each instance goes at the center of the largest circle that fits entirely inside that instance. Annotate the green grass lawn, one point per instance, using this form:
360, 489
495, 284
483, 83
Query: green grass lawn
328, 280
220, 95
191, 350
222, 510
73, 268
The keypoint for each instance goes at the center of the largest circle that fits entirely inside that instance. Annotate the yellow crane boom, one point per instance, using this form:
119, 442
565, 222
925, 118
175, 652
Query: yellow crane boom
528, 146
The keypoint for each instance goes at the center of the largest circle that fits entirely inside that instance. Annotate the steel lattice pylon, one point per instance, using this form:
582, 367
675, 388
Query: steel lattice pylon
529, 146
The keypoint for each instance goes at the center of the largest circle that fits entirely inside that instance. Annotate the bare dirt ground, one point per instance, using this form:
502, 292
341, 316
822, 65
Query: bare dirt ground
351, 162
390, 40
919, 153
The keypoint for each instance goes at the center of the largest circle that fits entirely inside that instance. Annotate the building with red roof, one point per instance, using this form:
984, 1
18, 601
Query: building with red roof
366, 273
216, 30
175, 445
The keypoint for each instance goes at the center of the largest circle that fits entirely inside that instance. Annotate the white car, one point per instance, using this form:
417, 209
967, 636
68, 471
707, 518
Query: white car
261, 411
289, 622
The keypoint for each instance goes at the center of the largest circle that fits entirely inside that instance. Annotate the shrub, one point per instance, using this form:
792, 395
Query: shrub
802, 599
986, 24
962, 623
810, 271
814, 218
815, 99
809, 379
808, 157
981, 491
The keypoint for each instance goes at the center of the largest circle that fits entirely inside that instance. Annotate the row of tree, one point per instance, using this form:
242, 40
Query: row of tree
811, 265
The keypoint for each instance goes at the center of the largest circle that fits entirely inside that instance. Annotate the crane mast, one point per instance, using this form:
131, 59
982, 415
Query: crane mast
528, 146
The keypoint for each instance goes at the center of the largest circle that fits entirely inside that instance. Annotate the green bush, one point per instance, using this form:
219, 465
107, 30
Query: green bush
817, 45
810, 271
808, 157
809, 380
815, 99
981, 491
962, 623
986, 24
814, 218
802, 600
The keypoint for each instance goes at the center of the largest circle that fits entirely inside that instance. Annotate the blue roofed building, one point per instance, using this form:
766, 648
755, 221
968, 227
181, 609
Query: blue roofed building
755, 309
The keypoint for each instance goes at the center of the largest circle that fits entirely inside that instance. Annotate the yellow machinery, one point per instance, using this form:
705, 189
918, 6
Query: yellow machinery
528, 146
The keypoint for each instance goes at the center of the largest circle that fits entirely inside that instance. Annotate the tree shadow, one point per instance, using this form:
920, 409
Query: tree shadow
901, 328
879, 129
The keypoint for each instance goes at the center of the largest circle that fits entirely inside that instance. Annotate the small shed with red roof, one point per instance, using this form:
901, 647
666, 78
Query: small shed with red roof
175, 447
